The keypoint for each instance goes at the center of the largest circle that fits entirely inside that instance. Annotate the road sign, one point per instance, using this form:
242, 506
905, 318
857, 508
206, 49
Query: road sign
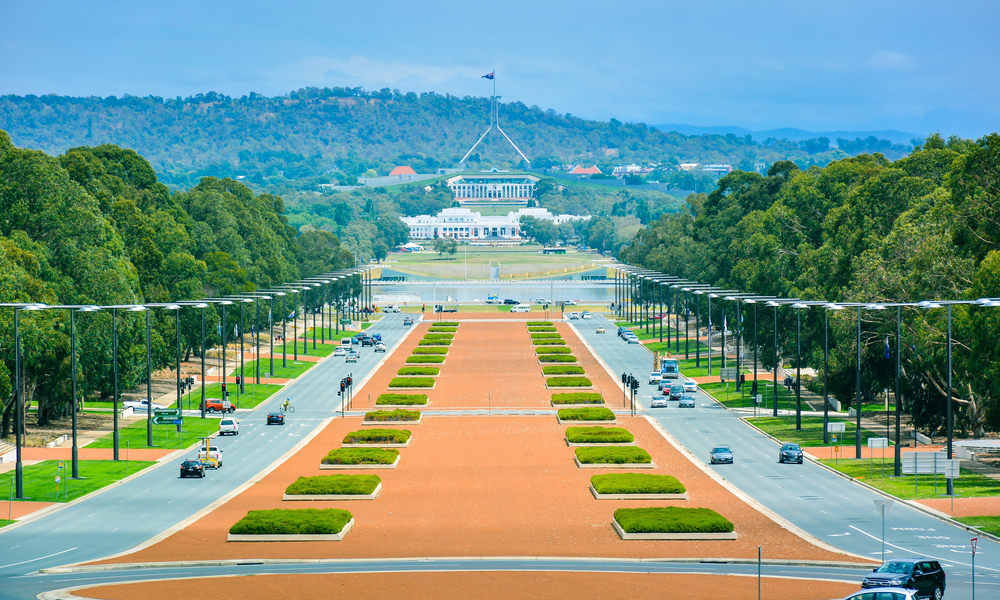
729, 373
880, 442
930, 463
975, 541
759, 398
835, 427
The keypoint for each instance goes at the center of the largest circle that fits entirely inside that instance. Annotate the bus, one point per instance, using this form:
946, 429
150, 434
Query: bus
670, 368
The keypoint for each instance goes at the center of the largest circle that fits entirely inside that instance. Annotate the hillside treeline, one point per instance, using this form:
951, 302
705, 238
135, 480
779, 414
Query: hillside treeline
94, 226
863, 229
336, 134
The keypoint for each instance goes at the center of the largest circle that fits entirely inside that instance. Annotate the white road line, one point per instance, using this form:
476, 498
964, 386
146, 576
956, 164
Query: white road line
39, 558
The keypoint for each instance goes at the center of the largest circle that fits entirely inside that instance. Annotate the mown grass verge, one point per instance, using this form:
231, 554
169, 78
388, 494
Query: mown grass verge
586, 414
549, 342
577, 398
552, 350
985, 523
439, 336
297, 521
439, 351
442, 330
618, 455
637, 483
377, 436
546, 336
434, 343
878, 474
539, 323
411, 382
361, 456
164, 436
568, 382
424, 359
446, 324
672, 519
39, 478
563, 369
389, 416
419, 371
401, 399
346, 485
599, 435
542, 330
557, 358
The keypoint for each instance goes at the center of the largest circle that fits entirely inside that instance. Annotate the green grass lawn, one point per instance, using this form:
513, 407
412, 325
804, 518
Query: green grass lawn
164, 436
811, 433
40, 485
968, 485
319, 350
987, 524
672, 519
292, 521
5, 522
292, 369
334, 484
332, 333
254, 395
733, 399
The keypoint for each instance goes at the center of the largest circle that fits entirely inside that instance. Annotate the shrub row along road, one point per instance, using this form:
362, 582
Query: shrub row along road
823, 504
156, 500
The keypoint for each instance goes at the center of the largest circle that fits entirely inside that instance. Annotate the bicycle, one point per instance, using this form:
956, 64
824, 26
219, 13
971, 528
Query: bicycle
288, 408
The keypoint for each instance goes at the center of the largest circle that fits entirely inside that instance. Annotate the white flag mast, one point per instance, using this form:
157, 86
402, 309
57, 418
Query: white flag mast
494, 123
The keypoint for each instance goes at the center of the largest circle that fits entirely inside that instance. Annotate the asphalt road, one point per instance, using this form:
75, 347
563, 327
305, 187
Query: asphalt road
126, 515
827, 506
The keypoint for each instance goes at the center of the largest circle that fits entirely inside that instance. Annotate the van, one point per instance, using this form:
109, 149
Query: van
521, 308
392, 309
345, 343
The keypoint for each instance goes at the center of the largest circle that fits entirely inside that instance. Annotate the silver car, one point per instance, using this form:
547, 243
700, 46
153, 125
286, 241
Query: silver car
721, 454
658, 402
686, 402
888, 593
690, 386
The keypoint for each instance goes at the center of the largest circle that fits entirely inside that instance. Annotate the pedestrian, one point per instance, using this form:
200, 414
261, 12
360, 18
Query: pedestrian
423, 308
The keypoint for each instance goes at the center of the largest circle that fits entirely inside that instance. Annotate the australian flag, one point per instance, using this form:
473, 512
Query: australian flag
887, 354
489, 75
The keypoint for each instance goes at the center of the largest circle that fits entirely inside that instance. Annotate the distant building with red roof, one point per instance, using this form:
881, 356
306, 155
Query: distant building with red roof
402, 170
579, 170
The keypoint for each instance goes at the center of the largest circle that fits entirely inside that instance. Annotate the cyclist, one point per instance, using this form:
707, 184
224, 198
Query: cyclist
285, 404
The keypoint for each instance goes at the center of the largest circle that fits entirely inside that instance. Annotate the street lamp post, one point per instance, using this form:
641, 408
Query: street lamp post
19, 393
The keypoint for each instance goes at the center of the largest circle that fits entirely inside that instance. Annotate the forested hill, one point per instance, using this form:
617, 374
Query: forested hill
314, 135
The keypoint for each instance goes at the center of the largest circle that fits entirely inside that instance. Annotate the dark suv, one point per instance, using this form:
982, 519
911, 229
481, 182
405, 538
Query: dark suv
925, 576
790, 453
510, 301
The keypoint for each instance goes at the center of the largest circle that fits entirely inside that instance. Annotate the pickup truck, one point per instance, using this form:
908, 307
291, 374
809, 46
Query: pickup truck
212, 457
140, 405
216, 405
229, 427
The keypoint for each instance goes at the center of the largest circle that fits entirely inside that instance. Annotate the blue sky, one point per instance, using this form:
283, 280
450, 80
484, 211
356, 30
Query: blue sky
820, 65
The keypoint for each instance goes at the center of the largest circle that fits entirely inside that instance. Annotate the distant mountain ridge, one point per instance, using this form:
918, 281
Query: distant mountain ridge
792, 134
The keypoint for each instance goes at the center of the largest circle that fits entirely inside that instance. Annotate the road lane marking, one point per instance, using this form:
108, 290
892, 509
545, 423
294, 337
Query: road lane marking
36, 559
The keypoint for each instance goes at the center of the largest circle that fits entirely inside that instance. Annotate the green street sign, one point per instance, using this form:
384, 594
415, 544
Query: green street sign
166, 420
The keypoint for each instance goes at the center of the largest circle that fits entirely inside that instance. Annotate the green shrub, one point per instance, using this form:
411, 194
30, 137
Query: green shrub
445, 324
424, 359
618, 455
430, 351
562, 369
557, 358
334, 484
586, 414
442, 330
419, 371
539, 323
289, 521
401, 399
411, 382
577, 398
361, 456
546, 342
546, 336
377, 436
400, 414
542, 330
552, 350
434, 343
636, 483
598, 435
439, 336
568, 382
672, 519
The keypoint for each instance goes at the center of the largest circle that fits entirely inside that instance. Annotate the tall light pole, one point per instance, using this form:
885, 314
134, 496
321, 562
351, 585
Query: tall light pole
826, 370
19, 393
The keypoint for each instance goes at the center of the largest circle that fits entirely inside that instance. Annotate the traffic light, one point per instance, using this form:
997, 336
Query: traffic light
237, 380
624, 378
635, 384
342, 386
350, 381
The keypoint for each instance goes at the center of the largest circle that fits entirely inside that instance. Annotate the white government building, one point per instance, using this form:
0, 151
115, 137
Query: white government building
465, 224
491, 187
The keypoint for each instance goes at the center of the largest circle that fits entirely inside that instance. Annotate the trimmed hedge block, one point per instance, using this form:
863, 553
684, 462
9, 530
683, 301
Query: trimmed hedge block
377, 436
557, 358
390, 416
637, 483
552, 350
578, 398
586, 414
548, 342
419, 371
329, 485
672, 519
411, 382
618, 455
598, 435
441, 351
361, 456
424, 359
399, 399
557, 382
298, 521
563, 370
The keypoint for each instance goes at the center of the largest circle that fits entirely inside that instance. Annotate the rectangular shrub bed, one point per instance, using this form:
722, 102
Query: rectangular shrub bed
557, 358
411, 382
441, 351
542, 330
442, 330
599, 435
299, 521
563, 370
419, 371
631, 455
361, 456
539, 323
376, 436
564, 382
546, 336
578, 398
434, 343
424, 359
672, 522
392, 416
636, 483
334, 485
552, 350
401, 399
549, 342
439, 336
445, 324
586, 414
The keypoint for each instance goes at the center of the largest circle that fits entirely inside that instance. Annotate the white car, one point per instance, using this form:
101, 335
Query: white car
658, 402
585, 315
379, 347
574, 315
570, 303
690, 386
655, 377
229, 427
140, 404
352, 356
339, 351
541, 301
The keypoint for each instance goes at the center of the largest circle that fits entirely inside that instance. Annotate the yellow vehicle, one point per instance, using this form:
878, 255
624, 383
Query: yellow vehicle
600, 329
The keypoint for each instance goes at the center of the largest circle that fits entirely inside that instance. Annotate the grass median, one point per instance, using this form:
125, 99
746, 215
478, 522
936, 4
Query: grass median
672, 519
40, 485
334, 485
569, 382
361, 456
731, 398
578, 398
254, 395
291, 370
401, 399
623, 455
811, 434
598, 435
377, 436
391, 416
292, 521
305, 349
586, 414
636, 483
988, 524
870, 471
164, 436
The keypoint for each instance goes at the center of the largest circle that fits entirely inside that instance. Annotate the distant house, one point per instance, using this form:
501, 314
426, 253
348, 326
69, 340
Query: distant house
719, 169
688, 166
581, 170
402, 170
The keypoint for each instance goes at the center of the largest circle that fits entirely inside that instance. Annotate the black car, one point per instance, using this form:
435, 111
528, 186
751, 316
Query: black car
510, 301
622, 330
367, 341
192, 468
790, 453
925, 576
275, 418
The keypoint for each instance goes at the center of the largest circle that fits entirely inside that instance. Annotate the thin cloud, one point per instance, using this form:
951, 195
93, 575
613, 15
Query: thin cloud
886, 60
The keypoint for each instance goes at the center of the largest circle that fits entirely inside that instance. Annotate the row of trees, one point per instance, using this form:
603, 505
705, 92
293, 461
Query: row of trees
95, 226
863, 229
